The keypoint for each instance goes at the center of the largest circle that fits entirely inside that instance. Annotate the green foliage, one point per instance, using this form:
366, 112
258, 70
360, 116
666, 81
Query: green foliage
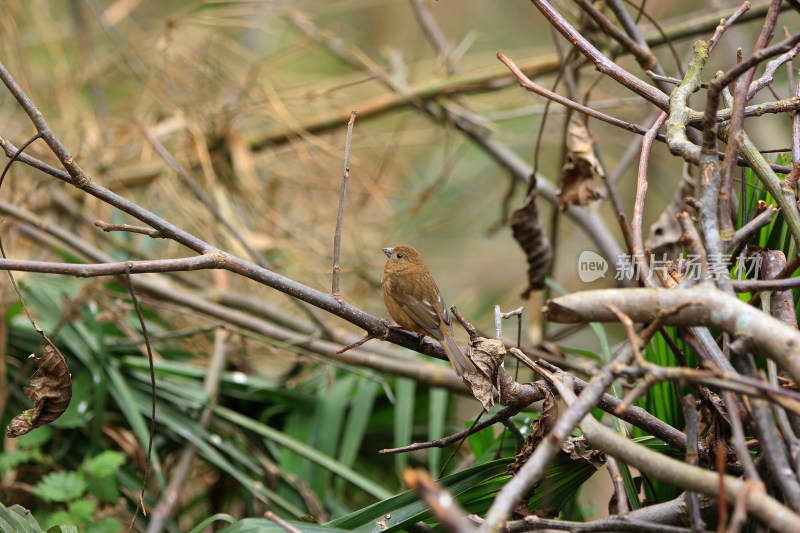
320, 437
16, 519
12, 459
96, 480
316, 432
60, 486
104, 464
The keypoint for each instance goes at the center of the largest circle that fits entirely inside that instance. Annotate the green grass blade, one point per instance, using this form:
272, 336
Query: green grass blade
406, 508
403, 420
437, 411
304, 450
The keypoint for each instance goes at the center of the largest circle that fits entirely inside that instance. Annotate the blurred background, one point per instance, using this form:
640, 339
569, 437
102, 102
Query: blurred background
251, 98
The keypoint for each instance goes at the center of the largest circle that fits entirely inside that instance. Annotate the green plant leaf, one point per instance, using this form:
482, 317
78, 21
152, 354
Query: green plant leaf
107, 525
63, 529
13, 459
104, 463
328, 421
105, 488
82, 510
262, 525
437, 412
405, 508
17, 519
211, 519
357, 421
403, 419
371, 487
56, 519
60, 486
481, 441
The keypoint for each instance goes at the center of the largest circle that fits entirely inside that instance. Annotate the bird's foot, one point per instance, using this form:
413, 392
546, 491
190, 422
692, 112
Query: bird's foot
421, 341
389, 328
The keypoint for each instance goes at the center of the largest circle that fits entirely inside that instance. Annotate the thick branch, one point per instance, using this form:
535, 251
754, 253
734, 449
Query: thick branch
709, 307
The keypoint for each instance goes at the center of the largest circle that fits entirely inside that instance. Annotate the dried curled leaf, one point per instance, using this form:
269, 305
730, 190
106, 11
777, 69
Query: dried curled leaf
539, 429
577, 177
51, 393
488, 355
579, 451
530, 235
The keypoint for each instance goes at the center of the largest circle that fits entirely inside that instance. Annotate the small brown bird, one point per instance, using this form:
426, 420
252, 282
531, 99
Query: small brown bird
413, 299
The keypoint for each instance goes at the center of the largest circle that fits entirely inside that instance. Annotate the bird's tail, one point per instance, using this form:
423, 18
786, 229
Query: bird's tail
461, 363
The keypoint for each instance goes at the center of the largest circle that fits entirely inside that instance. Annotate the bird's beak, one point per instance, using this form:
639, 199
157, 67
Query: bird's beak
388, 252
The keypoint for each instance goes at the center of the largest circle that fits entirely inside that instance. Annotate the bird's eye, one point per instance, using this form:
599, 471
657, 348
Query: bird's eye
399, 256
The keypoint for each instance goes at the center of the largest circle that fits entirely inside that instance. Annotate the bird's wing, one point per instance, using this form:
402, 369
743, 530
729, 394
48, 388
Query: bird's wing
425, 314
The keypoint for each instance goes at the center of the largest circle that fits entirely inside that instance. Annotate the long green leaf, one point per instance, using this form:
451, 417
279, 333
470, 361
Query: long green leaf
437, 411
124, 397
328, 424
16, 519
262, 525
403, 420
357, 421
406, 509
303, 450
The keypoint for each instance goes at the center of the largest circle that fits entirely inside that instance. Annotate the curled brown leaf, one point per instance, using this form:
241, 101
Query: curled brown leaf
51, 393
539, 429
532, 238
578, 186
488, 355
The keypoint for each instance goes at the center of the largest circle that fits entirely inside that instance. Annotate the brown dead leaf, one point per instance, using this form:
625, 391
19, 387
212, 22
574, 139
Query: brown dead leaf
488, 355
539, 429
51, 393
579, 451
532, 238
578, 186
481, 388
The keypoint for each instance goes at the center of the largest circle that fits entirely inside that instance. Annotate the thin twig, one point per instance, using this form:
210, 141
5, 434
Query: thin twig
692, 458
337, 237
289, 528
725, 24
637, 246
206, 200
619, 485
150, 232
533, 470
140, 504
434, 34
444, 507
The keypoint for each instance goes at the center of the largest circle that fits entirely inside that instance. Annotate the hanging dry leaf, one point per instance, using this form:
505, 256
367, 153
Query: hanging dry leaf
530, 235
539, 429
488, 355
51, 393
577, 177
